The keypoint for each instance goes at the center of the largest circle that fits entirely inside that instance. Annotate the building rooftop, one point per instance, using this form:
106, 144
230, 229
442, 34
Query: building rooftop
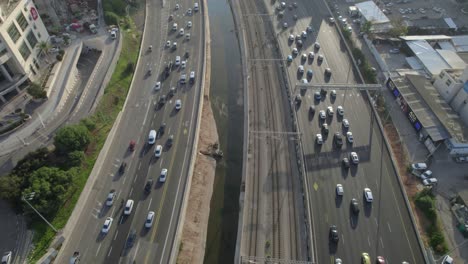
460, 43
426, 37
455, 73
7, 6
372, 12
452, 126
435, 23
451, 58
430, 58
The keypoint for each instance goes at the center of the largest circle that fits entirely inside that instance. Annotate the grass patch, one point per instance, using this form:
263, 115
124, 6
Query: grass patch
110, 105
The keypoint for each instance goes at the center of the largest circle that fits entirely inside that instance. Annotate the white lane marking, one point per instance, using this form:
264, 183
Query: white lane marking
131, 190
342, 239
149, 205
381, 242
121, 219
113, 209
136, 251
162, 159
389, 229
116, 233
169, 131
139, 166
134, 180
124, 180
146, 115
368, 240
376, 223
99, 248
110, 250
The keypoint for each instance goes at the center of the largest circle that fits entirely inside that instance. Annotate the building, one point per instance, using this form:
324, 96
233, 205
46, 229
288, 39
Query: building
21, 30
370, 12
434, 120
453, 87
430, 57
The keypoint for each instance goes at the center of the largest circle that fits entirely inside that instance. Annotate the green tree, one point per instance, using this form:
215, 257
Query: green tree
50, 186
75, 158
10, 187
71, 138
111, 18
399, 28
31, 162
37, 91
366, 27
43, 47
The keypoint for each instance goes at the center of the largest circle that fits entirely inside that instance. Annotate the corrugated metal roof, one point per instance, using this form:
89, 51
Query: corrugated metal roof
426, 37
450, 23
460, 43
452, 59
446, 46
372, 12
430, 58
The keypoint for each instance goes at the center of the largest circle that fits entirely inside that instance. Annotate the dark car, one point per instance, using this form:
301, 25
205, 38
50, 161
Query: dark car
162, 100
311, 109
123, 165
169, 141
323, 92
148, 185
131, 146
161, 130
131, 239
346, 163
338, 140
186, 55
354, 206
334, 234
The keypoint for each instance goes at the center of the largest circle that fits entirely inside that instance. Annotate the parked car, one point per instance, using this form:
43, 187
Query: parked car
430, 181
419, 166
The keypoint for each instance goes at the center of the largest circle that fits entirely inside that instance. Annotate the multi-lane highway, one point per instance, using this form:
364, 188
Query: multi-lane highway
141, 114
383, 227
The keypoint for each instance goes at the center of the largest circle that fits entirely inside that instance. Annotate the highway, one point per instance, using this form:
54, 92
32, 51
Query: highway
382, 228
273, 223
141, 114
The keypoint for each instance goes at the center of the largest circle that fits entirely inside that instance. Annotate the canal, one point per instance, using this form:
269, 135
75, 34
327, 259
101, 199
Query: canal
227, 102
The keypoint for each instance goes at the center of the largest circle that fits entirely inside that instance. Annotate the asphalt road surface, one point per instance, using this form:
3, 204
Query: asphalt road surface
142, 113
382, 228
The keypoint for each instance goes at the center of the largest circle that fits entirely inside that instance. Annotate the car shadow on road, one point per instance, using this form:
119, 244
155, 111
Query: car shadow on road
367, 207
332, 247
353, 170
353, 219
338, 201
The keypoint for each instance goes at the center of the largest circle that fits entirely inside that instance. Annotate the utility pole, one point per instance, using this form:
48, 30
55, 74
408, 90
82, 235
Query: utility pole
29, 197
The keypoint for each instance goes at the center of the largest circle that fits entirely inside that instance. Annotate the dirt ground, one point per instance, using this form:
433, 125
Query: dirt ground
192, 247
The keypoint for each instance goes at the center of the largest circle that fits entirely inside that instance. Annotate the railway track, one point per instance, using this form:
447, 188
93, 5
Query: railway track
273, 179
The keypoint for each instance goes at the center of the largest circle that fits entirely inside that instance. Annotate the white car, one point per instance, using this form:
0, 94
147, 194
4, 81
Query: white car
330, 111
322, 114
158, 151
291, 38
319, 139
149, 219
339, 190
183, 64
152, 137
295, 51
447, 260
168, 44
311, 55
426, 175
300, 69
320, 57
345, 123
429, 181
340, 110
304, 56
419, 166
178, 104
333, 94
304, 34
163, 176
349, 137
128, 207
317, 45
189, 24
110, 198
368, 195
317, 95
189, 11
177, 6
177, 60
107, 225
157, 87
354, 157
181, 32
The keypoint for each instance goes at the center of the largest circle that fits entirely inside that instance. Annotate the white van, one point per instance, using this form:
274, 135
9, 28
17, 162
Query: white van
192, 76
181, 32
195, 7
152, 137
174, 26
177, 60
128, 207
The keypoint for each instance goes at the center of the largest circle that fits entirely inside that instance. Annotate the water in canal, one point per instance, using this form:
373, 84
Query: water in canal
227, 103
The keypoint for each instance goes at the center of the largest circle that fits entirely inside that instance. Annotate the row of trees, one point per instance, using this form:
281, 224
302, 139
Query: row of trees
48, 174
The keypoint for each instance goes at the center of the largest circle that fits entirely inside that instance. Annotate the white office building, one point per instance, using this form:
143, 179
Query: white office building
21, 30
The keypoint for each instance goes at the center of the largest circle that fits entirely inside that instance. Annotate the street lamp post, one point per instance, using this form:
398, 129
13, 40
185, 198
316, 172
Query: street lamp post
29, 197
